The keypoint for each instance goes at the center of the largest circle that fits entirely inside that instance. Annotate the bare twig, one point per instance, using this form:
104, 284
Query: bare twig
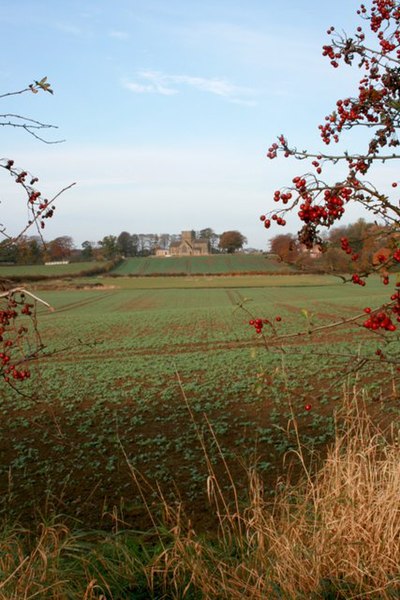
24, 291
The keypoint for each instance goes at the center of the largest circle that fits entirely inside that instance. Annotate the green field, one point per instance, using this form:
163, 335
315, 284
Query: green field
201, 265
48, 270
150, 266
126, 357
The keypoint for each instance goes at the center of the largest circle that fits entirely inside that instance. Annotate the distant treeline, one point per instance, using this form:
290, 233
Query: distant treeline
35, 250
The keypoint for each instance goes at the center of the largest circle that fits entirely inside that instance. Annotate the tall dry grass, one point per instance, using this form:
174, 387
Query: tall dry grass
336, 534
33, 565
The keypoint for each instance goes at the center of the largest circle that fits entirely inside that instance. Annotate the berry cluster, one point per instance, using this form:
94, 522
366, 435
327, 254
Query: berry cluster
345, 246
378, 320
396, 299
331, 208
379, 85
357, 280
13, 337
267, 222
381, 318
40, 209
329, 211
258, 324
382, 11
273, 149
349, 111
396, 255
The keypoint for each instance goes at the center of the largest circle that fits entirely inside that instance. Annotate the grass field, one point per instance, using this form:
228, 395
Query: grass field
201, 265
48, 270
126, 357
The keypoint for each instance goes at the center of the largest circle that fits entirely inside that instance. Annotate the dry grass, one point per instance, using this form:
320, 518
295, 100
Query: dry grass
32, 565
343, 525
56, 563
334, 535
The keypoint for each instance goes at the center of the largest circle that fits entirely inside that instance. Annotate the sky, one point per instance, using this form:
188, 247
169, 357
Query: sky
167, 108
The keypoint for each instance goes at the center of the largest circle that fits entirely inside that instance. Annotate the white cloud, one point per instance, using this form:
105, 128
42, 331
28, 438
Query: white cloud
138, 88
220, 87
162, 83
158, 82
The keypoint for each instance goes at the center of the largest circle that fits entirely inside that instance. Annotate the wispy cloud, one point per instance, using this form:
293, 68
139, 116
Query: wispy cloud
156, 82
152, 82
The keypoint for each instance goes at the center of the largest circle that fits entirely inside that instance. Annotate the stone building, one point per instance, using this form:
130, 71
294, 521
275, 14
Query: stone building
189, 246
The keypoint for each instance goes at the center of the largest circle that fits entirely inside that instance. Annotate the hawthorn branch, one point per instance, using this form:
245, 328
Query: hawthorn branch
313, 330
25, 123
304, 154
19, 290
360, 50
36, 217
28, 125
310, 331
23, 91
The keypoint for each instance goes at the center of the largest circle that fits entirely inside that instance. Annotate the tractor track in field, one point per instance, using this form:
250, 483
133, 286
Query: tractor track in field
203, 347
139, 302
78, 304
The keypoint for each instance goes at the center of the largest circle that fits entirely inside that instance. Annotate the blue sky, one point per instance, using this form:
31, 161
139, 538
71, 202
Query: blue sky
167, 108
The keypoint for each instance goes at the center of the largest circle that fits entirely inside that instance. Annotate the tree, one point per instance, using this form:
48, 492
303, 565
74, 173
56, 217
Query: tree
135, 244
374, 108
36, 250
8, 252
230, 241
60, 248
110, 247
164, 241
87, 250
125, 244
147, 243
286, 247
206, 233
213, 238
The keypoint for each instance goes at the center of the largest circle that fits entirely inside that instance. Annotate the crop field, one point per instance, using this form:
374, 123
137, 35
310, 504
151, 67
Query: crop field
136, 369
192, 265
47, 270
215, 265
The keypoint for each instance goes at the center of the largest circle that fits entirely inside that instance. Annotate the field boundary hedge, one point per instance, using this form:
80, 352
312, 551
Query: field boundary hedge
96, 270
227, 274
